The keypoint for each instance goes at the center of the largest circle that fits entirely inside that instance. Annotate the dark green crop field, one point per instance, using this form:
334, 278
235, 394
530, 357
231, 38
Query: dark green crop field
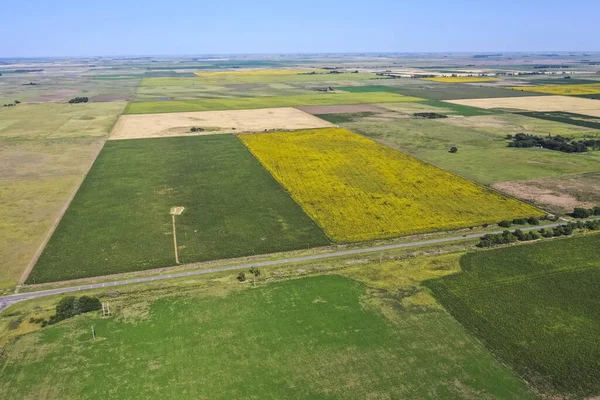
367, 89
450, 91
324, 337
119, 220
566, 117
589, 96
562, 81
536, 307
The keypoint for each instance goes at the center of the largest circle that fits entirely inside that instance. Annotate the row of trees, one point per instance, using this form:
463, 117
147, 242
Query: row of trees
78, 100
520, 221
559, 143
508, 237
585, 212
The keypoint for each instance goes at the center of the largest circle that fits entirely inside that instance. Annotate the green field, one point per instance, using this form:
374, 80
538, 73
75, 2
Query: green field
483, 155
324, 337
152, 93
443, 91
562, 81
241, 77
566, 118
57, 120
436, 106
244, 103
367, 89
589, 96
536, 307
119, 220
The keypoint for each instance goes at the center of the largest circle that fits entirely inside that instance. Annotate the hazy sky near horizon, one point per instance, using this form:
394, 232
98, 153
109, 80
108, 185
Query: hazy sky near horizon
32, 28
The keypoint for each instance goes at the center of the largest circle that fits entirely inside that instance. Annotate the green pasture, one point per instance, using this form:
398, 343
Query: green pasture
242, 103
325, 337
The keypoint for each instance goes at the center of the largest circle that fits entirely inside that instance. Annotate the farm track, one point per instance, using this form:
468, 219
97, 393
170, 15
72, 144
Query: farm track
6, 301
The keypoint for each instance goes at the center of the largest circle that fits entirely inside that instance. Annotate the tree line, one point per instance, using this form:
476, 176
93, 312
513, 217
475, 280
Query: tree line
78, 100
508, 237
558, 143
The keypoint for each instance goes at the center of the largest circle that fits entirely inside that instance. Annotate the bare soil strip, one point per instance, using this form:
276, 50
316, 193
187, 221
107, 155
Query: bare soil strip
557, 194
137, 126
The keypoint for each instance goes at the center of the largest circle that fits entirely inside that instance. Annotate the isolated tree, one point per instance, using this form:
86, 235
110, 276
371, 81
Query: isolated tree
453, 149
255, 272
241, 277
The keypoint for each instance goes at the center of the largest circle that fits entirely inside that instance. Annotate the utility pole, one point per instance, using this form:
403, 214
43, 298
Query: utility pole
175, 211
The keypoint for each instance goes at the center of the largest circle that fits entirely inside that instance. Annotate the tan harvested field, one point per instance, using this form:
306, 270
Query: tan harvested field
557, 195
139, 126
342, 109
537, 103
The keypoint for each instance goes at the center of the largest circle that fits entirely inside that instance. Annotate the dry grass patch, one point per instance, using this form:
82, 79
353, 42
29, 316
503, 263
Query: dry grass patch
537, 103
558, 195
503, 124
179, 124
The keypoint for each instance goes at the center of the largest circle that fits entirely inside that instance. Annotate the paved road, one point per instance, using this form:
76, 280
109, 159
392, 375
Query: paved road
6, 301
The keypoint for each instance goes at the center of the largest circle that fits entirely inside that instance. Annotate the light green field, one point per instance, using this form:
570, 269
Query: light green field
58, 120
151, 93
240, 77
321, 337
45, 150
150, 107
483, 155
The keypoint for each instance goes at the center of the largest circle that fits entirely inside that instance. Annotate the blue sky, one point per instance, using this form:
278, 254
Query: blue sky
131, 27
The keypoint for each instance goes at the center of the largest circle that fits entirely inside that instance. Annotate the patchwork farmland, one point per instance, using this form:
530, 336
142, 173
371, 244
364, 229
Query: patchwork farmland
299, 227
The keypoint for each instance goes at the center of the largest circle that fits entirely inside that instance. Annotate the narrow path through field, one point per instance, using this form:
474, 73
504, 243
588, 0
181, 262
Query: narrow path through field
6, 301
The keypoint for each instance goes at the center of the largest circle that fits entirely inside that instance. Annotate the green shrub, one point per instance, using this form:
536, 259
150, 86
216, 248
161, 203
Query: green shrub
581, 213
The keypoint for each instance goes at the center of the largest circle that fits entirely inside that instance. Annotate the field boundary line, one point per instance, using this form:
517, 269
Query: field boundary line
6, 301
63, 210
280, 184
